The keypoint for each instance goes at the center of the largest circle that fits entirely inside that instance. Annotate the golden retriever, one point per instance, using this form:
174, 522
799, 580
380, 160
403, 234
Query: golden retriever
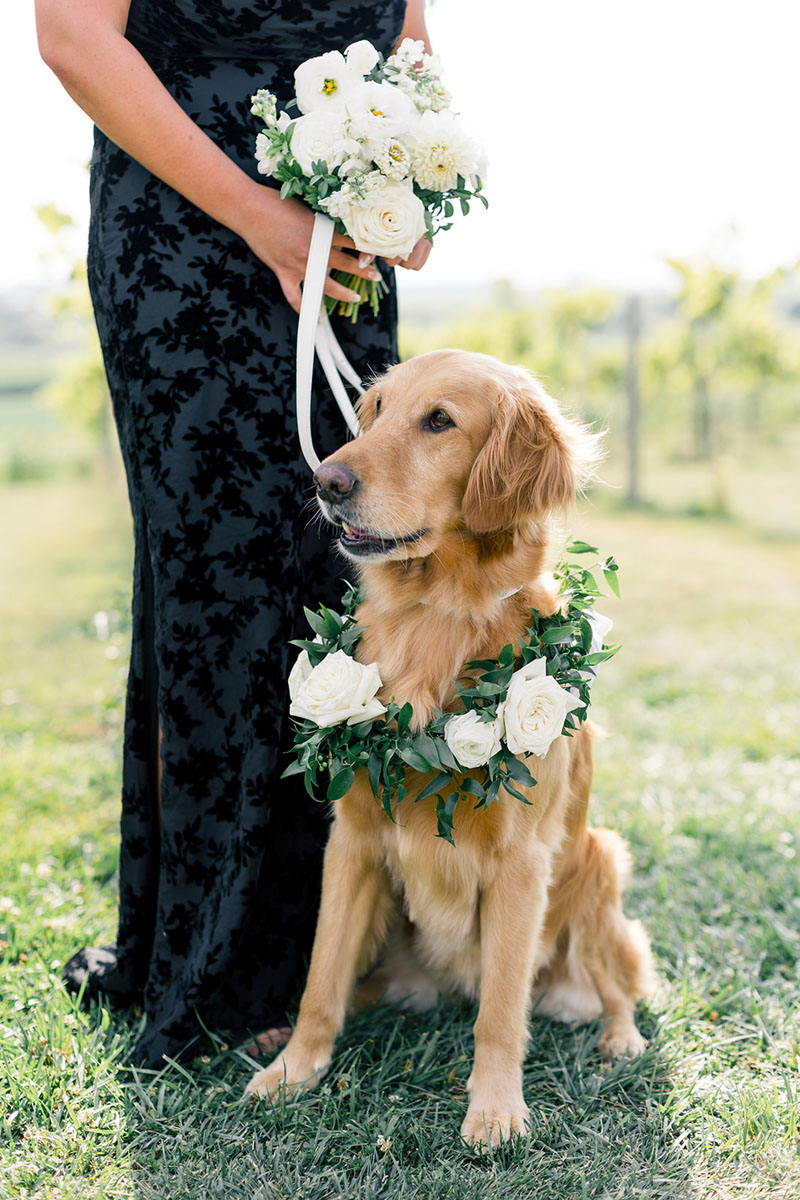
443, 503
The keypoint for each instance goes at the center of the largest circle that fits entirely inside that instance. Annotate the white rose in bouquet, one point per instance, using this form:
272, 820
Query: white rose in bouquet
535, 709
473, 741
361, 57
319, 135
324, 82
337, 689
441, 150
389, 222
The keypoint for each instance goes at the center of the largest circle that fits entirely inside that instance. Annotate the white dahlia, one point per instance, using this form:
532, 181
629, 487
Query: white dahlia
441, 150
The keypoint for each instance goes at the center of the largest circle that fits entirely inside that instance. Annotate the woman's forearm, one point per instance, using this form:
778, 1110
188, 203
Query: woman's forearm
83, 43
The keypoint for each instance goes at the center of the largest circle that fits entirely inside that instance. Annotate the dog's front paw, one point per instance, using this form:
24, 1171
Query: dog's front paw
285, 1077
621, 1042
491, 1124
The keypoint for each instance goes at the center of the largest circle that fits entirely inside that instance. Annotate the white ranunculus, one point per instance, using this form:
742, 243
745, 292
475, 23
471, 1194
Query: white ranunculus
389, 222
324, 82
535, 709
441, 150
378, 111
361, 57
473, 741
338, 689
319, 135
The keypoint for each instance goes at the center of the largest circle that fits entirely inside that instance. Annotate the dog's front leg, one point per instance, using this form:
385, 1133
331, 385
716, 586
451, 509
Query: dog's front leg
512, 910
352, 916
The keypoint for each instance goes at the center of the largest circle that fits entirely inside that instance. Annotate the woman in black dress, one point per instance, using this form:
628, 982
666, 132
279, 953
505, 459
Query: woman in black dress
195, 269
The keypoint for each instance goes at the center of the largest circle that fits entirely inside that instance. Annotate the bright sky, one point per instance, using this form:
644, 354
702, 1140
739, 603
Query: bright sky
618, 133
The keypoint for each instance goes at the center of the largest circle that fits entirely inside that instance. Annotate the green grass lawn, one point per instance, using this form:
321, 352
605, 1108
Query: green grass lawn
700, 771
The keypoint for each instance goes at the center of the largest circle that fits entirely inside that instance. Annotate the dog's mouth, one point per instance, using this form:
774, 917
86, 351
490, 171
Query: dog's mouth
363, 542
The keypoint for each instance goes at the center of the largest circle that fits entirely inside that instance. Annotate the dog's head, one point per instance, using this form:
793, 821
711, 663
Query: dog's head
451, 441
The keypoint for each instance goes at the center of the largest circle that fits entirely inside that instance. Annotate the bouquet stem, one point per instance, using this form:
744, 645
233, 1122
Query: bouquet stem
368, 289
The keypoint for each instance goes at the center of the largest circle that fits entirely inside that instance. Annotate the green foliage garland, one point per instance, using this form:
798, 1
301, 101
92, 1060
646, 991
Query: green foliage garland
387, 747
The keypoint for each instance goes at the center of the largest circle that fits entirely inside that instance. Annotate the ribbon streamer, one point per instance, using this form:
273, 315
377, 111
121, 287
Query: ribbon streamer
315, 336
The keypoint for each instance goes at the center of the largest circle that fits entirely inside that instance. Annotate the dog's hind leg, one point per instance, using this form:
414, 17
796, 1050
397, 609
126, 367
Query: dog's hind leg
399, 977
356, 902
605, 964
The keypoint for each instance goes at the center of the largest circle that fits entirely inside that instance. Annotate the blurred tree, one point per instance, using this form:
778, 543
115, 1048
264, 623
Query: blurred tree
78, 391
758, 346
704, 296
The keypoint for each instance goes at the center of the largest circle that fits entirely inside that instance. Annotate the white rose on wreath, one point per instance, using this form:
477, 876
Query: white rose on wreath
535, 709
338, 689
389, 222
473, 741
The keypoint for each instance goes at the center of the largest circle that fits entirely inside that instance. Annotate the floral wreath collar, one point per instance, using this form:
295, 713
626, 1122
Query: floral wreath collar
515, 705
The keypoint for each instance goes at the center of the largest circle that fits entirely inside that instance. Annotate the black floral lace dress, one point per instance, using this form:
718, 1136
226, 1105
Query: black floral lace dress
218, 893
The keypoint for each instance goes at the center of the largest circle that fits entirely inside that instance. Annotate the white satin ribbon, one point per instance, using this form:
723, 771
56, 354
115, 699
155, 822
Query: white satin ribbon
315, 336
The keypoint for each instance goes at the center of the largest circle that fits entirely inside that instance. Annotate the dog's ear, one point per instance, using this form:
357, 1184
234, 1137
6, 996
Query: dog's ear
534, 460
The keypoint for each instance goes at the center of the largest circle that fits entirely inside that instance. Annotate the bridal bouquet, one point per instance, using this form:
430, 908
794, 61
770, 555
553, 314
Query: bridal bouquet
376, 147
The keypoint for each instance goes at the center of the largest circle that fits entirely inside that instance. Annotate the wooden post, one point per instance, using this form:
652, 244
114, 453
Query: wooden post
633, 325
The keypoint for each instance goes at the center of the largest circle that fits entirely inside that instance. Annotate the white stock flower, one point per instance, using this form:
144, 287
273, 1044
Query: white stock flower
338, 689
324, 82
441, 150
408, 53
389, 221
319, 135
361, 57
378, 111
266, 155
473, 741
535, 709
264, 105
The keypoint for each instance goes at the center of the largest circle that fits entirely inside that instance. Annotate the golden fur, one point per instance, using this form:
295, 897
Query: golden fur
527, 907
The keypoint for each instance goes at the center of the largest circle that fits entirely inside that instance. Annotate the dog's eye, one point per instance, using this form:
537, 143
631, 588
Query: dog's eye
437, 421
377, 406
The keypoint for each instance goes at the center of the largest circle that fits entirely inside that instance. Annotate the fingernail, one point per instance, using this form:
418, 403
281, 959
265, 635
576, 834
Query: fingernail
374, 275
355, 296
365, 259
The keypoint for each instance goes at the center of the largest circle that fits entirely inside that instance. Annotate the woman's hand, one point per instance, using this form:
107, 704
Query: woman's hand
279, 233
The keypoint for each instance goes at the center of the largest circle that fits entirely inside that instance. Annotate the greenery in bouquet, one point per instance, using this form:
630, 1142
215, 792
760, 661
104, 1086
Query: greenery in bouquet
376, 147
509, 709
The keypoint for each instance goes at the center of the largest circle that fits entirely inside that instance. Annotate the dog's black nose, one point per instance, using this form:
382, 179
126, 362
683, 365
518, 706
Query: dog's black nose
334, 482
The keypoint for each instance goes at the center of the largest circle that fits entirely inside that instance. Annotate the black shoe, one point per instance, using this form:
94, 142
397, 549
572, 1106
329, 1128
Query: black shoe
105, 979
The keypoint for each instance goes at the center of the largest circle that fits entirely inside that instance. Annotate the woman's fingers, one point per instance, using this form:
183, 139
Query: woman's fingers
341, 239
348, 262
418, 256
339, 292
